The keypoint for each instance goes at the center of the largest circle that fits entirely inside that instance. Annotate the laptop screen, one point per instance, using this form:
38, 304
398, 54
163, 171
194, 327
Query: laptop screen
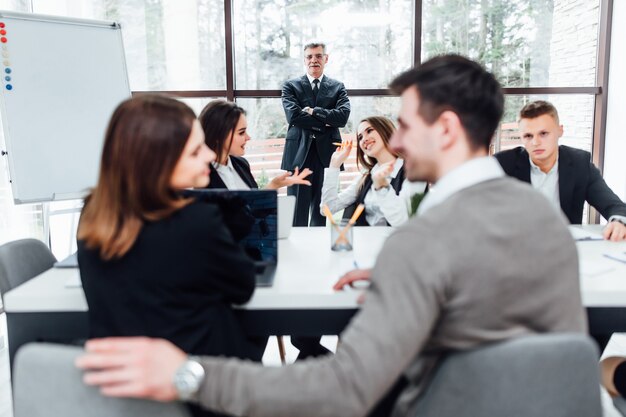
252, 218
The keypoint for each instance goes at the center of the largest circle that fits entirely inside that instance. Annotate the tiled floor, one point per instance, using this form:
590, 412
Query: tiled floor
270, 358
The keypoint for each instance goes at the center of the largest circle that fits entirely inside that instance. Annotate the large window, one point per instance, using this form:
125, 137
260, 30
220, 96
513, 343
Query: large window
368, 41
243, 50
541, 43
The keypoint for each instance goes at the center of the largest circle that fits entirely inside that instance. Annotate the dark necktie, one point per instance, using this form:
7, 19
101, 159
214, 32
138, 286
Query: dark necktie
316, 87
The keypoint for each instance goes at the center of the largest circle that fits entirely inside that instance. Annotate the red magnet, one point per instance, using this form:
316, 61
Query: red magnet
3, 32
1, 24
3, 39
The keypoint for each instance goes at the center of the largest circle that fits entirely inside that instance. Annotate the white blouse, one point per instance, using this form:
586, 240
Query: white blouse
229, 175
381, 206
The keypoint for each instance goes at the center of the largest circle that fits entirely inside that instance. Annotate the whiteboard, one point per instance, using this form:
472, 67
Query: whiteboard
61, 79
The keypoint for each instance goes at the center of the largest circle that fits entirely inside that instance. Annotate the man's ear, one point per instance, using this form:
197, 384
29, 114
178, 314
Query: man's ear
450, 129
560, 130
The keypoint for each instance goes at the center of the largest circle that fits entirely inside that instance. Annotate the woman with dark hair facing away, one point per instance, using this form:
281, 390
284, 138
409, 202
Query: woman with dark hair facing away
152, 262
226, 133
381, 188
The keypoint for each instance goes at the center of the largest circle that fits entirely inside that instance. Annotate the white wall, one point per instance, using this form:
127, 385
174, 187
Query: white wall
615, 142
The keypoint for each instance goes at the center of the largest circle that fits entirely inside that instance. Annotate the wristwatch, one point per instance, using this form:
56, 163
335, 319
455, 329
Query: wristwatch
188, 378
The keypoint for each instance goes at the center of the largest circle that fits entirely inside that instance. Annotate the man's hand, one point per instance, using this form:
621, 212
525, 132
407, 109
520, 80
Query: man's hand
351, 277
137, 367
614, 231
380, 177
286, 179
308, 110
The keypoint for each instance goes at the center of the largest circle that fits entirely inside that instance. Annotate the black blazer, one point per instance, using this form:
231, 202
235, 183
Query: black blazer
396, 183
177, 282
242, 166
331, 108
579, 181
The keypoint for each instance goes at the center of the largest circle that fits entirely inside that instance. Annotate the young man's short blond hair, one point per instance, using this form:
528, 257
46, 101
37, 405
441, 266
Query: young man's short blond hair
539, 108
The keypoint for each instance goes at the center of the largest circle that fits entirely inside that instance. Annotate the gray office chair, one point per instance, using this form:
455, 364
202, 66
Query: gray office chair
22, 260
537, 376
47, 384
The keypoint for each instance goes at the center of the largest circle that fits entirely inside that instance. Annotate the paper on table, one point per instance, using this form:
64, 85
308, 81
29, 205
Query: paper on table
582, 234
594, 268
615, 347
616, 256
74, 280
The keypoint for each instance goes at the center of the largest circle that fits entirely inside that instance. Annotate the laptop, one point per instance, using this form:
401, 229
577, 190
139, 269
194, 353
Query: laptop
252, 217
286, 209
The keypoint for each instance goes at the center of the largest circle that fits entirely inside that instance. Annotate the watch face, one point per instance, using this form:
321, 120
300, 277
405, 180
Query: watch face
188, 378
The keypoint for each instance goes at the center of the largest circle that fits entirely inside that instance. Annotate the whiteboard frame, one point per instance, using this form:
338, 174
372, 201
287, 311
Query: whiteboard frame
7, 152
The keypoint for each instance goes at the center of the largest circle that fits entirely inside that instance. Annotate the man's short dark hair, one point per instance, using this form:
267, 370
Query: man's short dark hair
315, 45
458, 84
538, 108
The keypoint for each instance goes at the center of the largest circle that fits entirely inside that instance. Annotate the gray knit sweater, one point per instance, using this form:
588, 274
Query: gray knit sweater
492, 262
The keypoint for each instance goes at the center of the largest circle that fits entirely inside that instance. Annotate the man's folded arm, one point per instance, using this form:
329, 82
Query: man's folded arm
295, 115
337, 117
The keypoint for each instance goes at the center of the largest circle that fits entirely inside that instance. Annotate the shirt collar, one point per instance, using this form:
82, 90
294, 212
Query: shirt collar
312, 78
229, 165
470, 173
537, 170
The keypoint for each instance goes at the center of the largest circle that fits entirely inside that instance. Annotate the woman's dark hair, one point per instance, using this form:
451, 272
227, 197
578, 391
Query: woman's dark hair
143, 143
219, 119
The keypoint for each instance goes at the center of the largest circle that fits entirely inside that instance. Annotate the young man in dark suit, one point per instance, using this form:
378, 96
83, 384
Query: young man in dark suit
316, 106
566, 176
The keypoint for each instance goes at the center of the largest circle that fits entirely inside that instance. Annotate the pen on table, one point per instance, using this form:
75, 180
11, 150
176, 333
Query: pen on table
356, 265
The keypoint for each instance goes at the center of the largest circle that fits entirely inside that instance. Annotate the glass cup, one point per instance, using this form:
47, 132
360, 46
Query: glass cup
341, 237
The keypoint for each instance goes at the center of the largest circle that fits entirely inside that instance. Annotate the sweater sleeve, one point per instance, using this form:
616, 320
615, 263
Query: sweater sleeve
400, 310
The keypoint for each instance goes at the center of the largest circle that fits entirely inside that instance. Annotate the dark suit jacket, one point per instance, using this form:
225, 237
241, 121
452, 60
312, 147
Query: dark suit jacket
579, 181
242, 166
396, 184
331, 108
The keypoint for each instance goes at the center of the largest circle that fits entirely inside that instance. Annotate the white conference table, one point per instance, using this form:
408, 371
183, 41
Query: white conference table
301, 301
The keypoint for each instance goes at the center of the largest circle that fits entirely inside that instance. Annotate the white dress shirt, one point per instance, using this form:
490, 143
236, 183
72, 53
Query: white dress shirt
311, 78
381, 206
231, 178
547, 183
464, 176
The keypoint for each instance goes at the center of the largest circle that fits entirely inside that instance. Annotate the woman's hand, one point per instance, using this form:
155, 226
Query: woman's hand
286, 179
341, 154
381, 177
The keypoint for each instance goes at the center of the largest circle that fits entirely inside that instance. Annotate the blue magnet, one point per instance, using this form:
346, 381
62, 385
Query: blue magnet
9, 87
7, 70
7, 78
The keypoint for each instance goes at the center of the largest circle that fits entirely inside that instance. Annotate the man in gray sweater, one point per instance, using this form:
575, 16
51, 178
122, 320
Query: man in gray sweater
486, 259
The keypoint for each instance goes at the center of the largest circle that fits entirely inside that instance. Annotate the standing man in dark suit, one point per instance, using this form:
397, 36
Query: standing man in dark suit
566, 176
316, 107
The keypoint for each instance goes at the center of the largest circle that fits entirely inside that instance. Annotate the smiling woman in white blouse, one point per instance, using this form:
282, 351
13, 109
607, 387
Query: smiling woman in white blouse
226, 133
381, 188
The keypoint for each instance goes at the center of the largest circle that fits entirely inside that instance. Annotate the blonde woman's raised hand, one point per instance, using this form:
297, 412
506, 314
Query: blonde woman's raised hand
341, 154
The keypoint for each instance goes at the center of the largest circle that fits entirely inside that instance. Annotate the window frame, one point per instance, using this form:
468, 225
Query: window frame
598, 91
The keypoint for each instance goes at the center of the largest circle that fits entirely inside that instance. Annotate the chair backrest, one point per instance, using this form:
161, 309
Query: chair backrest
22, 260
536, 376
46, 383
